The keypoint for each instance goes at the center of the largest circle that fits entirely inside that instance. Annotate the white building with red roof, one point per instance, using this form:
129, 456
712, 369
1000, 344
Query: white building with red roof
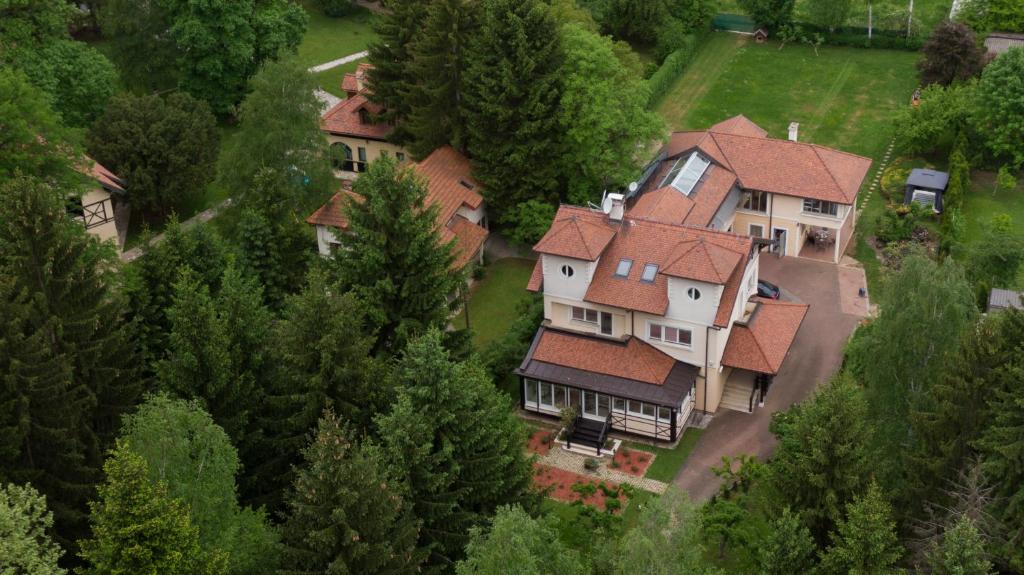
96, 209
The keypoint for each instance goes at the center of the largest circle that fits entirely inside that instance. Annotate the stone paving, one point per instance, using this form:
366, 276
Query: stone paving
570, 461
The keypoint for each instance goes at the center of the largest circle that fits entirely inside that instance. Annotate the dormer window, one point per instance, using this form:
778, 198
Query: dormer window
650, 272
364, 117
466, 184
567, 271
693, 293
622, 270
686, 172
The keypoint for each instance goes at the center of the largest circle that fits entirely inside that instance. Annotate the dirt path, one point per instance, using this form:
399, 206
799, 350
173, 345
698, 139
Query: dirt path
203, 216
712, 59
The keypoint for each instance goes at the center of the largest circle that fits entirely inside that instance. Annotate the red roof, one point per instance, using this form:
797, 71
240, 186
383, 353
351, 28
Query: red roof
634, 359
344, 120
355, 83
333, 212
575, 235
469, 238
105, 177
536, 277
702, 261
762, 343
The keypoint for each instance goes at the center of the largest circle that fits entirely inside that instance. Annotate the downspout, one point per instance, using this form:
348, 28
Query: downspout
771, 230
707, 339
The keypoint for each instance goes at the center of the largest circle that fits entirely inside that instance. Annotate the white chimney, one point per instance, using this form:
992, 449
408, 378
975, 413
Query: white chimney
618, 207
794, 129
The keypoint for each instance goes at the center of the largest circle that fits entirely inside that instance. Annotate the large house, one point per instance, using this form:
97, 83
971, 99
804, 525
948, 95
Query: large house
96, 208
356, 134
651, 313
733, 177
461, 216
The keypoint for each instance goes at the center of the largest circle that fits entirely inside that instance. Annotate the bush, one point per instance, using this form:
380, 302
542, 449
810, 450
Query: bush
584, 489
672, 35
898, 223
608, 490
591, 464
612, 505
670, 70
894, 181
336, 8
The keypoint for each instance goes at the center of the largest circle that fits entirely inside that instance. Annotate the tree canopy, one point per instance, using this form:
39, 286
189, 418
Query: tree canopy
999, 106
951, 54
25, 522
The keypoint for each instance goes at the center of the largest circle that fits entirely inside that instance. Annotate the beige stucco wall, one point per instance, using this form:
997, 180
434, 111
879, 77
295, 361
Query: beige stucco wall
108, 230
786, 212
373, 147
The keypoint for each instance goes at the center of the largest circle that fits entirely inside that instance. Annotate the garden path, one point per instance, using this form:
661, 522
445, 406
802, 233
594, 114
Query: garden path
203, 216
339, 62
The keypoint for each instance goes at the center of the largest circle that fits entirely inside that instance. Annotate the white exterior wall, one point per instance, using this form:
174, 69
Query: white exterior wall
555, 284
701, 311
475, 216
324, 238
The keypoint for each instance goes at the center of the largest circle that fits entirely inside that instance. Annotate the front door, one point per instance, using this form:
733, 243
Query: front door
606, 323
779, 235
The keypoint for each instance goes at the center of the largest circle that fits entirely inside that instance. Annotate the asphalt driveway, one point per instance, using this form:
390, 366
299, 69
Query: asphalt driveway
816, 354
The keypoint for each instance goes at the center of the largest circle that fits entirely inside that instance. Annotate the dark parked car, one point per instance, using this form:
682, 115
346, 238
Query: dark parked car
768, 290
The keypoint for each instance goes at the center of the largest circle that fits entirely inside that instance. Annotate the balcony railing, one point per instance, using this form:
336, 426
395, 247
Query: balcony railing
96, 214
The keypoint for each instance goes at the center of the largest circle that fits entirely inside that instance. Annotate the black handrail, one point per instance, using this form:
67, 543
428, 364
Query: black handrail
604, 432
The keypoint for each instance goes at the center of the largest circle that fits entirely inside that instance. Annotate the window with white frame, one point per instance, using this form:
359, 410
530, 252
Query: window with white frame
531, 390
650, 272
755, 201
546, 394
669, 334
821, 207
567, 271
693, 293
584, 314
756, 231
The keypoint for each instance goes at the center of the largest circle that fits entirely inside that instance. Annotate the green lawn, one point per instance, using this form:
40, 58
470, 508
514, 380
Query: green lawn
493, 300
330, 80
576, 532
669, 461
328, 39
927, 13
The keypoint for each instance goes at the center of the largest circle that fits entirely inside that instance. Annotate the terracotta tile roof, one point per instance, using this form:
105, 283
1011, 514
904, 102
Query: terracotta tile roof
443, 171
740, 126
105, 177
768, 164
633, 359
332, 213
762, 344
667, 205
343, 120
448, 174
732, 289
468, 237
536, 277
355, 83
576, 233
349, 84
709, 195
702, 261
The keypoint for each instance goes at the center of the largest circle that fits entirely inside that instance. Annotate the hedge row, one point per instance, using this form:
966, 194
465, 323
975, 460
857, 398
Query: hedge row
858, 37
670, 70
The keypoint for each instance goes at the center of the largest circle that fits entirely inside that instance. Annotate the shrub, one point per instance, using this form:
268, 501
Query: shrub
894, 181
530, 220
336, 8
670, 70
627, 490
568, 417
608, 490
672, 35
898, 223
615, 464
634, 469
612, 505
591, 464
478, 273
584, 490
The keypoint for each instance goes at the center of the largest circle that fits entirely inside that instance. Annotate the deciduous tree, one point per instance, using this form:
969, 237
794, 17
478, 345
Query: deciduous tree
772, 14
454, 436
516, 541
666, 540
164, 147
347, 513
25, 544
829, 14
950, 55
33, 141
999, 106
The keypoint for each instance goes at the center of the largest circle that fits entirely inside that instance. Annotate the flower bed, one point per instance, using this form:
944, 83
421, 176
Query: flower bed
631, 461
571, 487
540, 441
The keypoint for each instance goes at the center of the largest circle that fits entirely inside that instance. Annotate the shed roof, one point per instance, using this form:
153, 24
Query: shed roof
1002, 42
1005, 299
931, 179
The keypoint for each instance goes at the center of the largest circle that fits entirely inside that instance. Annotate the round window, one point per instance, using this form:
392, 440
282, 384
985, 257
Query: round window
693, 293
567, 271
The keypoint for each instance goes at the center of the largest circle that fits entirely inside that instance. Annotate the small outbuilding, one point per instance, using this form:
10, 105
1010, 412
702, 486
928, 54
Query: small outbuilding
1001, 42
926, 188
760, 35
1003, 299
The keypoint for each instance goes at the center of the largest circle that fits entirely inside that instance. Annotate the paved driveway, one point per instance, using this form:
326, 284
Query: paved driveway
814, 357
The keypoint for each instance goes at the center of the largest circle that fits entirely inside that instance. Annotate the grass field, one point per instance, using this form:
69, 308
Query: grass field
328, 38
493, 300
669, 461
927, 13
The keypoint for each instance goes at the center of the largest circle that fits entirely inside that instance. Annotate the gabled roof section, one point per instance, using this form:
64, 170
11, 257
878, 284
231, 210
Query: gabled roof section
576, 233
469, 238
762, 343
343, 120
104, 177
634, 359
664, 205
332, 213
702, 261
450, 181
739, 126
536, 282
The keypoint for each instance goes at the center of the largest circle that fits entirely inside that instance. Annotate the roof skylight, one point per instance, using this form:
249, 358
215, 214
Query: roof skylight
650, 270
622, 270
684, 175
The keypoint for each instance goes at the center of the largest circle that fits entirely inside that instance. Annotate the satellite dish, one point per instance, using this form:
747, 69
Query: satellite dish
633, 186
606, 205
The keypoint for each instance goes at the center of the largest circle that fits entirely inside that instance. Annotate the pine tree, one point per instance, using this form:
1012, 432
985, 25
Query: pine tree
511, 103
390, 79
961, 551
454, 435
439, 58
393, 258
822, 461
25, 544
138, 528
320, 359
865, 542
788, 548
81, 372
346, 514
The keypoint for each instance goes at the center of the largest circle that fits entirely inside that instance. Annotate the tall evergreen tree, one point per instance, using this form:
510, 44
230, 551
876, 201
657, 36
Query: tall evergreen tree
438, 66
666, 540
454, 435
138, 528
822, 461
25, 544
960, 552
319, 360
393, 258
511, 103
185, 449
391, 79
865, 541
83, 375
346, 514
788, 548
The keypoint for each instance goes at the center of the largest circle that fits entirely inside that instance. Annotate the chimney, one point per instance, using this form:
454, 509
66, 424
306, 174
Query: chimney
618, 207
794, 129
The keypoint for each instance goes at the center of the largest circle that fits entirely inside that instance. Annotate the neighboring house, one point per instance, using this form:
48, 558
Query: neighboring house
998, 43
356, 134
926, 188
648, 320
1001, 300
97, 207
450, 186
733, 177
